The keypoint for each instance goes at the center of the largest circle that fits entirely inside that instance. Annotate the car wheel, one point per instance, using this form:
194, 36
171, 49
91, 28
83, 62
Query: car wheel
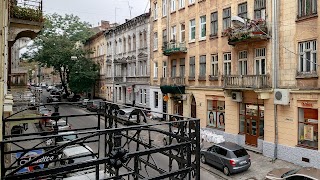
203, 159
226, 171
165, 142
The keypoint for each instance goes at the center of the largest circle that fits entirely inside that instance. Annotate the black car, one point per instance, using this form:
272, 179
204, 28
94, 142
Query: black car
74, 98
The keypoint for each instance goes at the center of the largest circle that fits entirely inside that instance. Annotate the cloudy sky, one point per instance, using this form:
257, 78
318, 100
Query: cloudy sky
93, 11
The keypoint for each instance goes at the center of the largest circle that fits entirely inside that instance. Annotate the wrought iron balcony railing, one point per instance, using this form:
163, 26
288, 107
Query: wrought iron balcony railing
30, 10
173, 48
173, 81
247, 81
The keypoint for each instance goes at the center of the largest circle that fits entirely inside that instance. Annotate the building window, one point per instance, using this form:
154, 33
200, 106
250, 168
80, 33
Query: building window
155, 41
260, 9
173, 33
182, 67
308, 127
156, 99
260, 61
243, 65
135, 42
308, 56
129, 43
129, 96
164, 8
133, 69
145, 39
120, 92
164, 35
182, 32
192, 67
145, 68
227, 63
155, 72
192, 1
141, 96
214, 24
173, 5
141, 68
181, 3
124, 45
215, 114
214, 65
164, 72
226, 18
174, 68
141, 40
242, 10
192, 30
307, 7
202, 67
202, 27
155, 11
145, 96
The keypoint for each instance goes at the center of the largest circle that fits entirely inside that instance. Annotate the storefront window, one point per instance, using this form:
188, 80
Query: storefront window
308, 127
216, 114
242, 118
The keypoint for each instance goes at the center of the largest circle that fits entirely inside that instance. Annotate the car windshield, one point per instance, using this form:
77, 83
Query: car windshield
240, 153
293, 171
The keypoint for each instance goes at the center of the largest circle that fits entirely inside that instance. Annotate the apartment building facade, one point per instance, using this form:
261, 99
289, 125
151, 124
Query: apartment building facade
127, 62
214, 60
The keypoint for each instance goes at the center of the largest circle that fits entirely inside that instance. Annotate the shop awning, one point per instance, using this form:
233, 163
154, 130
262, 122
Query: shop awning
173, 89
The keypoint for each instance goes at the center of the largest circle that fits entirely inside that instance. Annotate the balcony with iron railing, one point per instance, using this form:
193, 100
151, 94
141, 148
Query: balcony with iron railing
247, 81
28, 10
171, 81
173, 47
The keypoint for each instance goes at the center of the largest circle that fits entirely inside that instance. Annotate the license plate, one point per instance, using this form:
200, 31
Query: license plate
243, 162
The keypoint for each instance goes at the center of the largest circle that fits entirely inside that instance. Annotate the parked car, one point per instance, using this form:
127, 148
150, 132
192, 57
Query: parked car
306, 173
49, 124
95, 105
74, 98
44, 111
16, 130
123, 116
84, 102
64, 138
53, 98
49, 88
227, 156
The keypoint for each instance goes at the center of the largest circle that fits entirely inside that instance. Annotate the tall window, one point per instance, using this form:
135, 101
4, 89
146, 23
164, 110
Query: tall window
192, 1
173, 32
308, 56
120, 46
155, 11
308, 127
124, 45
202, 27
164, 8
164, 69
182, 32
192, 30
156, 99
129, 43
243, 57
227, 63
164, 35
173, 5
181, 3
141, 68
141, 96
133, 68
214, 65
226, 18
202, 67
129, 69
307, 7
260, 9
260, 61
216, 113
141, 40
155, 41
145, 96
192, 67
145, 39
174, 68
155, 71
134, 43
182, 67
120, 93
242, 10
214, 23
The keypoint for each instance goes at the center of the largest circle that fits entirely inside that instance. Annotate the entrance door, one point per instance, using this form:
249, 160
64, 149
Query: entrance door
193, 111
252, 124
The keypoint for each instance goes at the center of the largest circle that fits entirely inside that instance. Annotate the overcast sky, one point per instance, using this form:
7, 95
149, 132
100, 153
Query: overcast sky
93, 11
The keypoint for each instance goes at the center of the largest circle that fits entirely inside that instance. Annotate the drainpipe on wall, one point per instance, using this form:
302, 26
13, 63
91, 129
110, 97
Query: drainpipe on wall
275, 62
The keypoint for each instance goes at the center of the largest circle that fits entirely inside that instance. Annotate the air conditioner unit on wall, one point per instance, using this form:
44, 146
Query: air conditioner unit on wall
236, 96
282, 96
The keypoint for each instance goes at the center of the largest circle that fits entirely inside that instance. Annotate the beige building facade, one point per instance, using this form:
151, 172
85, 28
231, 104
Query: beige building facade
214, 60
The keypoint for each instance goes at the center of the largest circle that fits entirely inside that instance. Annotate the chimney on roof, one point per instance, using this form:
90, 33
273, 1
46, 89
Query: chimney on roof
105, 24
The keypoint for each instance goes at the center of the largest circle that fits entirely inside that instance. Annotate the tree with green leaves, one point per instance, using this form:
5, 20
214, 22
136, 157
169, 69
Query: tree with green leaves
57, 43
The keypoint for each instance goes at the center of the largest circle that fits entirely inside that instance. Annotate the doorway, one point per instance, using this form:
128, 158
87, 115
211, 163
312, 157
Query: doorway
254, 123
193, 111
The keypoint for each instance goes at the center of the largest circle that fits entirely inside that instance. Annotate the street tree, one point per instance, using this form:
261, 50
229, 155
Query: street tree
58, 41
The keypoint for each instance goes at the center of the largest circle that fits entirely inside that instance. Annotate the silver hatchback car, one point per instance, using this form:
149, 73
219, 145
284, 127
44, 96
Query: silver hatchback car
227, 156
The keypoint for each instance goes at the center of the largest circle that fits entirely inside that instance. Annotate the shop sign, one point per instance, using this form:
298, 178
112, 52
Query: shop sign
307, 104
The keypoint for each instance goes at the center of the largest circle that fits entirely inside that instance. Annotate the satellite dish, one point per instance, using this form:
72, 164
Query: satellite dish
237, 21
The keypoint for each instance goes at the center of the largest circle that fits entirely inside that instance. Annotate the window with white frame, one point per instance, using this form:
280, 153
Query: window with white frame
227, 63
260, 61
182, 33
145, 96
164, 35
307, 7
243, 62
173, 33
182, 67
226, 18
156, 99
155, 11
214, 23
308, 56
164, 69
192, 1
181, 3
155, 71
173, 5
192, 30
141, 96
202, 27
174, 68
242, 10
203, 65
214, 65
260, 9
155, 41
164, 8
192, 66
